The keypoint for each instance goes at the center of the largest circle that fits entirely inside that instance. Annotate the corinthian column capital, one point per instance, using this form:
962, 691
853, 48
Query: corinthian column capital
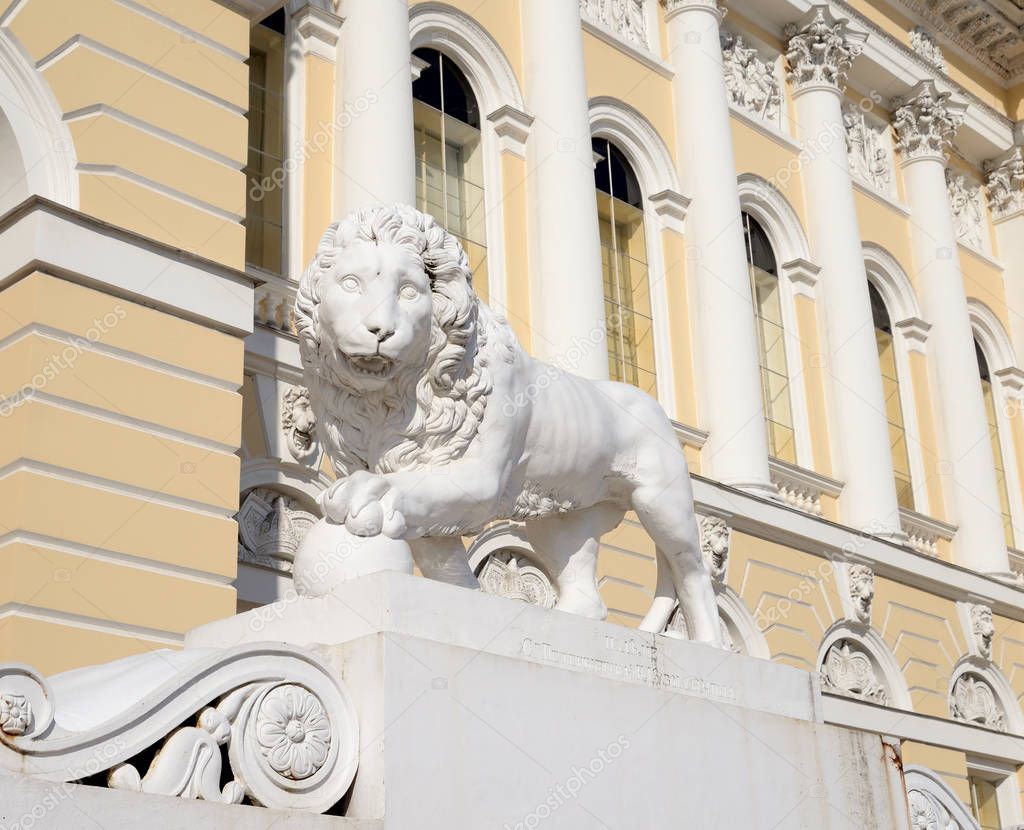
1005, 180
674, 7
821, 50
925, 122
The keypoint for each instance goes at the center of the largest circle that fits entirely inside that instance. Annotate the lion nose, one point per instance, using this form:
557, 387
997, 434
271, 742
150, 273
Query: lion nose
380, 332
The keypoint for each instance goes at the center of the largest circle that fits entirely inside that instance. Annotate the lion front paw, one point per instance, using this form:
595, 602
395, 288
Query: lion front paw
366, 504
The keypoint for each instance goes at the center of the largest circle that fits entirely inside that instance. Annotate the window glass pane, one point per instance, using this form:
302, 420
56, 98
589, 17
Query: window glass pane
891, 397
771, 341
985, 804
264, 209
449, 165
624, 269
997, 446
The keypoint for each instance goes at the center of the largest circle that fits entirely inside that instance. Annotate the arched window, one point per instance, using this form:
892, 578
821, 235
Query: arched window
992, 416
893, 402
449, 156
264, 207
627, 297
764, 284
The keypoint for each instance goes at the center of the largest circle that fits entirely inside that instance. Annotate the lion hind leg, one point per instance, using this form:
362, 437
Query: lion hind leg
443, 558
568, 546
677, 538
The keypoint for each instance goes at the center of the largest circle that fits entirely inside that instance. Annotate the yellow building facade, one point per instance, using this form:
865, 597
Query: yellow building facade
648, 191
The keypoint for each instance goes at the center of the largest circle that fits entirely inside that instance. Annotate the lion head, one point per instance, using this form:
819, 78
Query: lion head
390, 339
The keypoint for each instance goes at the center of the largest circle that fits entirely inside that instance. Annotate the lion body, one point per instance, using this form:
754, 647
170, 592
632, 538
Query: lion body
476, 430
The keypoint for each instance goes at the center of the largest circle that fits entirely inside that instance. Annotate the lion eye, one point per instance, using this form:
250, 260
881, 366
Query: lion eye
350, 283
409, 291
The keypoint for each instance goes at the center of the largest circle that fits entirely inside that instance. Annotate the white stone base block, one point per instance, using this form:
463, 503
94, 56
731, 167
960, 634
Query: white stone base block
480, 712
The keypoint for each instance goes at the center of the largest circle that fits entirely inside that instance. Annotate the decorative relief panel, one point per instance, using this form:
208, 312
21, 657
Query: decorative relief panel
926, 813
862, 592
270, 527
750, 80
922, 42
299, 425
626, 18
867, 147
965, 202
982, 629
508, 574
848, 670
715, 538
974, 700
1006, 183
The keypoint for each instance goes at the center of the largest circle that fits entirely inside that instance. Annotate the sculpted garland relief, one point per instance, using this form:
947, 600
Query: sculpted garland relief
750, 81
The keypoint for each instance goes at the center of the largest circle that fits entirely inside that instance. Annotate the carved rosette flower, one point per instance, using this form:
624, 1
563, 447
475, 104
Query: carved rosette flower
922, 812
821, 50
293, 732
926, 122
1006, 183
15, 713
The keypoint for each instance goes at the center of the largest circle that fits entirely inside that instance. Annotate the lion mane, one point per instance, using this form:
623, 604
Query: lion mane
430, 412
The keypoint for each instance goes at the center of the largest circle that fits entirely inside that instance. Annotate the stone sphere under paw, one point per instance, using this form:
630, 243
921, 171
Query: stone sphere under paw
331, 554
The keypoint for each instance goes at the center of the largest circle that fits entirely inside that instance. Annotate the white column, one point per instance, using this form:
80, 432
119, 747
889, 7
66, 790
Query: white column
925, 124
1006, 199
821, 50
731, 403
374, 152
566, 285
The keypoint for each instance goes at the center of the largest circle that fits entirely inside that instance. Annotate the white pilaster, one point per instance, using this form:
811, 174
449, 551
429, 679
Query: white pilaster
925, 123
820, 51
375, 152
566, 285
732, 408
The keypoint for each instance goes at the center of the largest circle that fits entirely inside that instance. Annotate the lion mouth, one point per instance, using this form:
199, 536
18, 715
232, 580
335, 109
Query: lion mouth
373, 365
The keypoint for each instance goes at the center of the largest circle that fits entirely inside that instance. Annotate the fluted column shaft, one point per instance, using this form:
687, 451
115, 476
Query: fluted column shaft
567, 312
821, 50
731, 403
925, 123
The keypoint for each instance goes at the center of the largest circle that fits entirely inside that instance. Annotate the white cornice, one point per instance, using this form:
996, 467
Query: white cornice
802, 275
512, 126
317, 31
670, 208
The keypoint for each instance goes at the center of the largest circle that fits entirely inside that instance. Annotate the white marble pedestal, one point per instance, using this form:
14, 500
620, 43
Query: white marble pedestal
478, 712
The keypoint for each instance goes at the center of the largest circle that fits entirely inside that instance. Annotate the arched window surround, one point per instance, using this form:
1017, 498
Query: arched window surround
43, 138
458, 37
796, 276
910, 333
648, 155
1008, 390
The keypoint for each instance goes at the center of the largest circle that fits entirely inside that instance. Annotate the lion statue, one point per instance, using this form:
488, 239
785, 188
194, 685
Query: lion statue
438, 422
